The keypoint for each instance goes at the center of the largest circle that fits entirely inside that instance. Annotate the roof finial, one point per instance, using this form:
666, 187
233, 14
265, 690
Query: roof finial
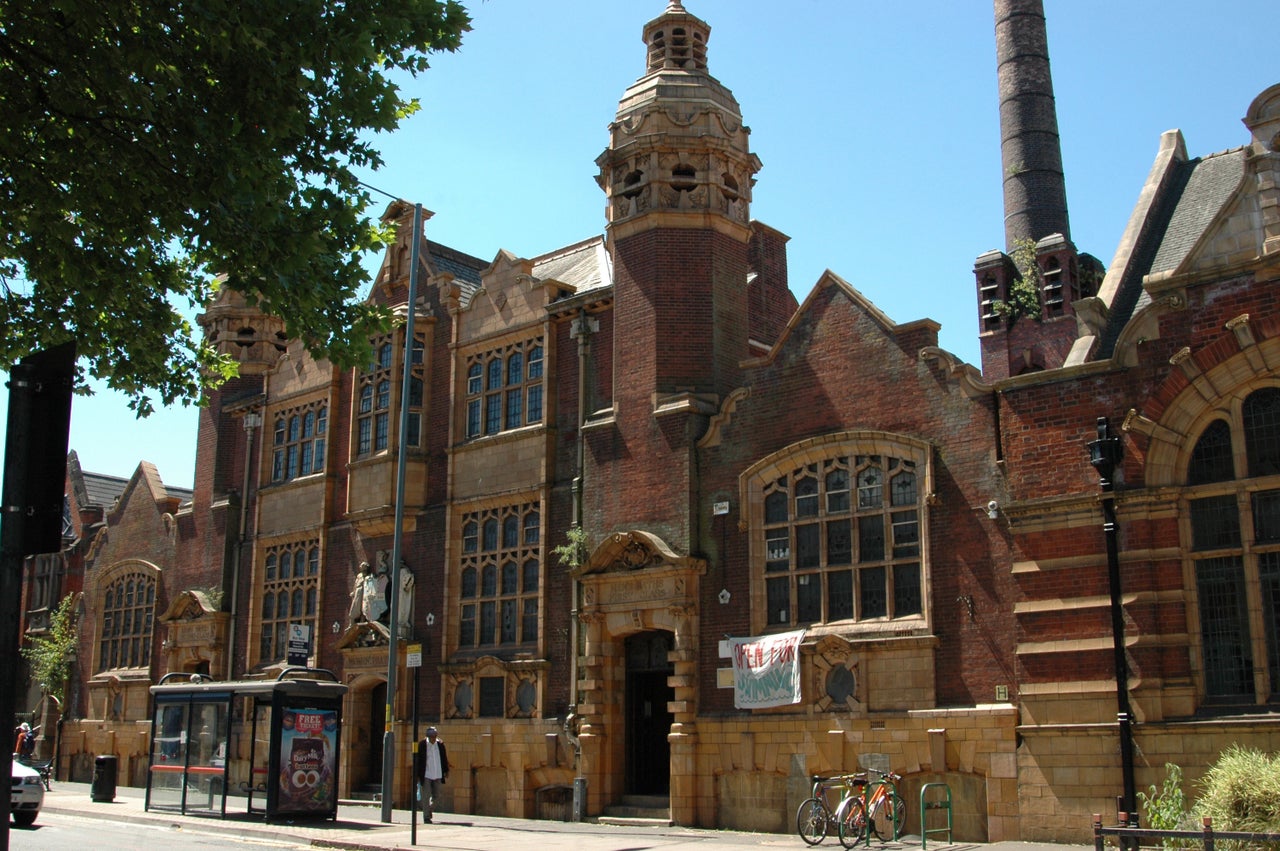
675, 6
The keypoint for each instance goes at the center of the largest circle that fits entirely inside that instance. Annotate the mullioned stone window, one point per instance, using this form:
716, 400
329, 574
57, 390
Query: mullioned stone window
378, 395
298, 441
500, 577
290, 591
1233, 507
839, 532
504, 388
128, 614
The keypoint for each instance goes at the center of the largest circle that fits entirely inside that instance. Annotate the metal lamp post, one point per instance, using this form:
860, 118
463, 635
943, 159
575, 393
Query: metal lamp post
1105, 454
389, 736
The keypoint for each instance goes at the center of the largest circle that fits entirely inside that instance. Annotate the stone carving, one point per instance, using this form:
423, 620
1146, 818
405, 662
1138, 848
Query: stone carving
404, 611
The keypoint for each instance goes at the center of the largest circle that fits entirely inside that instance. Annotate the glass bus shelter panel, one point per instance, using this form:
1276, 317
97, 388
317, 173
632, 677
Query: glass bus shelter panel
260, 756
206, 773
168, 754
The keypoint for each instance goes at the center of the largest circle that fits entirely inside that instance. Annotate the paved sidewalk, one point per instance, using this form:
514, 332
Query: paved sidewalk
361, 827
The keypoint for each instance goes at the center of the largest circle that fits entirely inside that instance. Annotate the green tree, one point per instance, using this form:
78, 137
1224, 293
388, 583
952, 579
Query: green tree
50, 655
146, 146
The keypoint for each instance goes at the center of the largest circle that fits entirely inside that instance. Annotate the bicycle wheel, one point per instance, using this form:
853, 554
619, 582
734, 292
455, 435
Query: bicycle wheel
812, 821
881, 826
851, 821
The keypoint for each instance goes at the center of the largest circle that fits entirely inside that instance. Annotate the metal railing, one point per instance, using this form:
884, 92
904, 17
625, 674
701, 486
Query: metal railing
1130, 835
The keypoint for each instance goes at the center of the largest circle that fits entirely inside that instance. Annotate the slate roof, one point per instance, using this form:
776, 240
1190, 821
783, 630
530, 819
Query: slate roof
583, 266
103, 490
463, 267
1197, 192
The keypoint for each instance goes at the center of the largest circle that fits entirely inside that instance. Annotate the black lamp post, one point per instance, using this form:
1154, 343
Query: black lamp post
1105, 454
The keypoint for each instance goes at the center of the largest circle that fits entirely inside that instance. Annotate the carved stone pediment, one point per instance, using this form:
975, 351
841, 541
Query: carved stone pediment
623, 552
188, 606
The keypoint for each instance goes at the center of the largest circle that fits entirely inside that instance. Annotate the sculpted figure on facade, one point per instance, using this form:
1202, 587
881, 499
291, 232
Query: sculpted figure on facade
404, 612
355, 611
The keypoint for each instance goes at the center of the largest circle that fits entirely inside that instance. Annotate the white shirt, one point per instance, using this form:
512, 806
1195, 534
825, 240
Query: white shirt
433, 770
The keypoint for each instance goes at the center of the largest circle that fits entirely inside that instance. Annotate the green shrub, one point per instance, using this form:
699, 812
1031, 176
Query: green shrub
1241, 791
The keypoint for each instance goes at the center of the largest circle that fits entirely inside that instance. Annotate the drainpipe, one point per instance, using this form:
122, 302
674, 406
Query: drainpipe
582, 330
252, 420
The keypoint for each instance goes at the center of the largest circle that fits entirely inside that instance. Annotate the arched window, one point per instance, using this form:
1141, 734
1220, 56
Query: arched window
379, 395
1234, 528
128, 612
838, 538
299, 445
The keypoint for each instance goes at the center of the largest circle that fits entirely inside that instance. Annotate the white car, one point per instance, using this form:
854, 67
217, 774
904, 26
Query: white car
27, 796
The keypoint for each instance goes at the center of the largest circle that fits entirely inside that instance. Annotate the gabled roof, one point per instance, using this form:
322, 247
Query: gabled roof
1180, 205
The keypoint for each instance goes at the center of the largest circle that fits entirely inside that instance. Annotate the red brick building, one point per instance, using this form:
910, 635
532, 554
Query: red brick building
740, 465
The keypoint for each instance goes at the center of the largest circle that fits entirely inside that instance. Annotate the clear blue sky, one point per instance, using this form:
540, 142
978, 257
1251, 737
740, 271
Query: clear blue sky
877, 128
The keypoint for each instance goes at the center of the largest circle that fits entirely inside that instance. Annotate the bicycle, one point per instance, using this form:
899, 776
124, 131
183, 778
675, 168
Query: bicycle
886, 809
815, 817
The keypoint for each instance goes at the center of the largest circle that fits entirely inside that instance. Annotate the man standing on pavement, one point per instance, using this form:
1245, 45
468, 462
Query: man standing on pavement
431, 766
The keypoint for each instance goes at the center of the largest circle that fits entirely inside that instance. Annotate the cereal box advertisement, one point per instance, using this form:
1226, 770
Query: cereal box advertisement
308, 760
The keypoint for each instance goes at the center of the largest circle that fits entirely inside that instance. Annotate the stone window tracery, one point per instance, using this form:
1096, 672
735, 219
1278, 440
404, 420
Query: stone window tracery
500, 577
1233, 508
840, 535
298, 441
128, 615
289, 595
504, 388
378, 396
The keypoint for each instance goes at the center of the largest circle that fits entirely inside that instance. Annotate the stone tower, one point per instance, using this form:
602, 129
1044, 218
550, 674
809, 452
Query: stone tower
1025, 296
677, 175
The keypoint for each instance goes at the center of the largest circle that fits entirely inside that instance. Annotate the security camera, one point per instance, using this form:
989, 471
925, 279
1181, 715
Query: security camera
993, 509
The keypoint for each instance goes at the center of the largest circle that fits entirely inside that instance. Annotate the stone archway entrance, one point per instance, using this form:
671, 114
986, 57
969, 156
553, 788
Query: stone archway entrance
638, 703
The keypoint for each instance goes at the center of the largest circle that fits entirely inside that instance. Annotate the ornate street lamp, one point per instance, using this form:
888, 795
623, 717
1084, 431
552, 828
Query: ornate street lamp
1105, 454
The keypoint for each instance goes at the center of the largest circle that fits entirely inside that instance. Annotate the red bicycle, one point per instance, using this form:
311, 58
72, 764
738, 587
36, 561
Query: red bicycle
883, 810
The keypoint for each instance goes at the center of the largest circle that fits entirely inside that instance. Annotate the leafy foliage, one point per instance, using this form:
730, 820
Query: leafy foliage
573, 552
50, 655
147, 146
1241, 791
1167, 808
1024, 292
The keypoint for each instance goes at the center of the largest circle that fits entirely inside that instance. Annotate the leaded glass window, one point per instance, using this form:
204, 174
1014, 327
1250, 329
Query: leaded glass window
842, 540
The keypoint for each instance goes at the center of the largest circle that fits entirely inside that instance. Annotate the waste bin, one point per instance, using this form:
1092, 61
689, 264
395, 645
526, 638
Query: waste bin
104, 779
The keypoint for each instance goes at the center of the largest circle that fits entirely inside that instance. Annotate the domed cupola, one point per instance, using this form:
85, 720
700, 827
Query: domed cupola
678, 143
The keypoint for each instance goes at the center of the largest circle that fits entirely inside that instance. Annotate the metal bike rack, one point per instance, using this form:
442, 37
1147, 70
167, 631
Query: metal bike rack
926, 805
891, 800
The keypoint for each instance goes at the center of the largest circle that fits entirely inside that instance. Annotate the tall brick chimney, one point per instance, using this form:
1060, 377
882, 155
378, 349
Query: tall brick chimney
1035, 192
1025, 296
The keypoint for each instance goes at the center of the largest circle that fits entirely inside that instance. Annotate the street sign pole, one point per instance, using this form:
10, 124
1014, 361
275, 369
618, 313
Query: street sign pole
413, 659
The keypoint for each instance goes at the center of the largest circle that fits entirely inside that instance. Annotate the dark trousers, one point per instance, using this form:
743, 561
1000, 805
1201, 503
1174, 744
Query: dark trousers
431, 790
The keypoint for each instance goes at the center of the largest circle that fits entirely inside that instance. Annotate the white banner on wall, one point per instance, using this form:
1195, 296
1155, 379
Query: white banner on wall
766, 670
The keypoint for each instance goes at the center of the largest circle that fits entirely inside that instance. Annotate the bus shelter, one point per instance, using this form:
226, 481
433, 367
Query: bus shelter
294, 725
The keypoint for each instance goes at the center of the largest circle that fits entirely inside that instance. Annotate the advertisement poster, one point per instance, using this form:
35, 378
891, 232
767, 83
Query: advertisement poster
766, 670
308, 760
